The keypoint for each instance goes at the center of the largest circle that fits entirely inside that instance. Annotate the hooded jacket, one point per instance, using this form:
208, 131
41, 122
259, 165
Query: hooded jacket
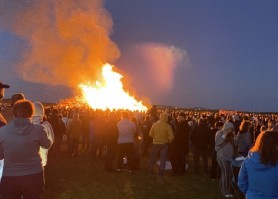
37, 118
161, 131
20, 142
224, 149
256, 180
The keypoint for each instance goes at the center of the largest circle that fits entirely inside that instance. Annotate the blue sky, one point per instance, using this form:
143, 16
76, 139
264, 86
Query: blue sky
229, 53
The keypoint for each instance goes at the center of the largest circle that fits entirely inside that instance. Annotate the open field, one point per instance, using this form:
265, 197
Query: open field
84, 178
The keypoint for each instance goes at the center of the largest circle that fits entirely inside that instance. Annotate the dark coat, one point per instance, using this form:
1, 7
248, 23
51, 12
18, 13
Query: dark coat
181, 141
200, 136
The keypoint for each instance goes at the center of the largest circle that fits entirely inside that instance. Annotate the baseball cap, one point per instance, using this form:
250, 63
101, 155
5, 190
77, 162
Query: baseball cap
4, 85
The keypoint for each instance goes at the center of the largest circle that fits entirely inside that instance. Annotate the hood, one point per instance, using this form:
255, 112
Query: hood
253, 158
38, 109
228, 125
37, 117
20, 126
163, 117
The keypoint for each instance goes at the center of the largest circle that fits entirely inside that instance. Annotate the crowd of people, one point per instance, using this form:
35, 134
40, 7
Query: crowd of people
31, 132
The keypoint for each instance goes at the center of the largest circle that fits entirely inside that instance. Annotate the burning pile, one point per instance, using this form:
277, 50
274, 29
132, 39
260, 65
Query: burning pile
110, 94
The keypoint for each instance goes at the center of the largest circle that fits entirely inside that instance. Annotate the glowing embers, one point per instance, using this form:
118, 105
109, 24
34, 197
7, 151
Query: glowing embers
109, 94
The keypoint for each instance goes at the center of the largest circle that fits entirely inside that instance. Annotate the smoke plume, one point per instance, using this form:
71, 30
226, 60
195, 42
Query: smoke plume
152, 66
68, 41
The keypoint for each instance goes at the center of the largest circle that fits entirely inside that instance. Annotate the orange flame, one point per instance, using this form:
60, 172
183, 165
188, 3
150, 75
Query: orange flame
110, 94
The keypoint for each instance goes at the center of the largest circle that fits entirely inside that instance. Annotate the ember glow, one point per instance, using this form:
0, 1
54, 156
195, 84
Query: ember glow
109, 94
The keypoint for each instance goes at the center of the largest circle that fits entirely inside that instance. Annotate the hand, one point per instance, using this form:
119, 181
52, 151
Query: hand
228, 131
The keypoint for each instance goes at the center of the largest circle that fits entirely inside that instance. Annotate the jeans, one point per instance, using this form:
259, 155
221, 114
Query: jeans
163, 150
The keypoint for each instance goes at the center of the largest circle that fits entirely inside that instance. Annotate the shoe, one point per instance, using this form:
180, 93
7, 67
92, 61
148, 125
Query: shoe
228, 196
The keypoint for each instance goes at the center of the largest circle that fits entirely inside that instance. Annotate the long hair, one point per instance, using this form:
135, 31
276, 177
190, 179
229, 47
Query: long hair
244, 126
2, 119
267, 145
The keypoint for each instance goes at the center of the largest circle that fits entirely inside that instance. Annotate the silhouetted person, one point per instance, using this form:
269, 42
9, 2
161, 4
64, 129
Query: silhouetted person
200, 143
112, 135
3, 121
8, 111
180, 145
59, 130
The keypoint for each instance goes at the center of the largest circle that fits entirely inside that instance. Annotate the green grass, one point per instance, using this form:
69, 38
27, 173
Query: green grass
84, 178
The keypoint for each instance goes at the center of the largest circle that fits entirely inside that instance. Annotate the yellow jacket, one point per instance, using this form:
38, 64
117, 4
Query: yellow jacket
161, 131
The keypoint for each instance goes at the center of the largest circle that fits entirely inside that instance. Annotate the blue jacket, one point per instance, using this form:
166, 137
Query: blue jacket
257, 180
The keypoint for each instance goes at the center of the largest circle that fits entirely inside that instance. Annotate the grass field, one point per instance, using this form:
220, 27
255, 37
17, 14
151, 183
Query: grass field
84, 178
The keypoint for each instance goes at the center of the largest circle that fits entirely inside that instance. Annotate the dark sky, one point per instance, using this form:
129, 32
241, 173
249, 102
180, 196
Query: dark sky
214, 54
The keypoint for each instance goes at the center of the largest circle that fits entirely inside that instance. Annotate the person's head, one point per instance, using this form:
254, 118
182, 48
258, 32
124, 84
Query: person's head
147, 117
201, 121
228, 127
271, 124
163, 117
244, 126
15, 97
38, 110
267, 145
218, 125
2, 89
55, 112
75, 116
235, 117
263, 128
23, 109
125, 115
181, 116
133, 119
112, 115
